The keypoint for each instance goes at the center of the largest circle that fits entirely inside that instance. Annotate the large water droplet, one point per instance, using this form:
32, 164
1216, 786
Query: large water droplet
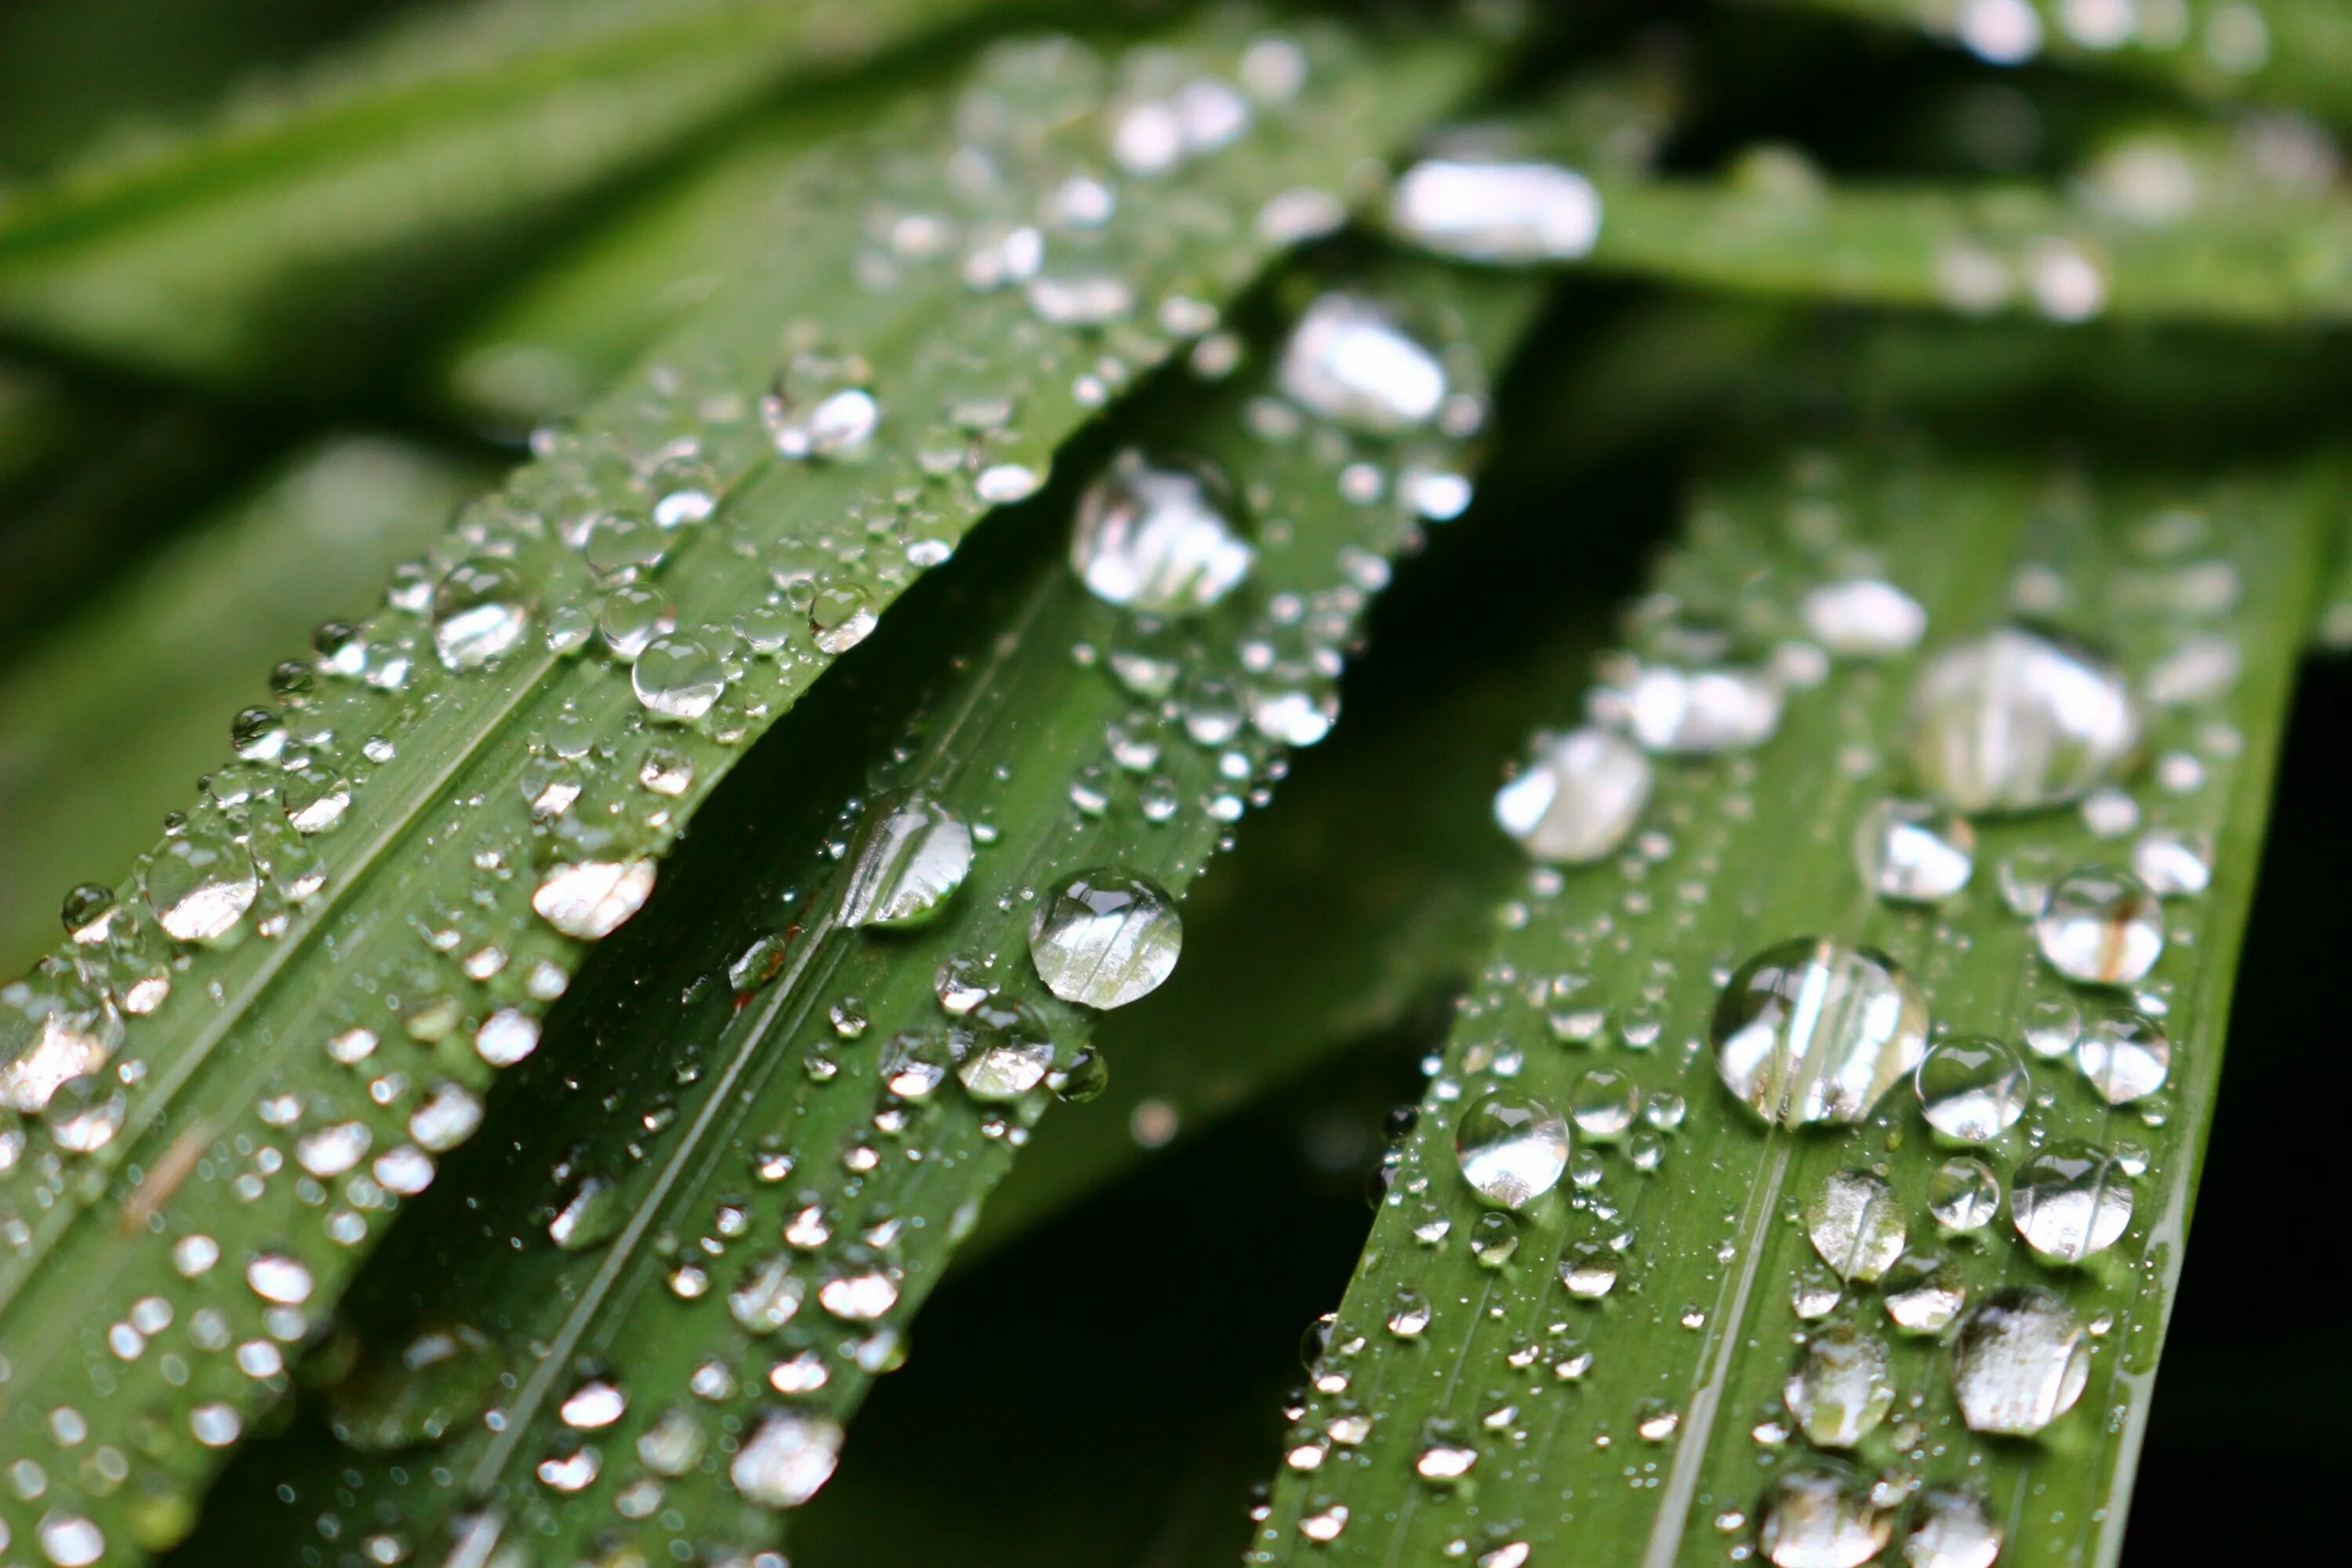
1963, 1194
911, 859
1822, 1519
1855, 1222
2102, 926
2072, 1200
1914, 851
1816, 1029
786, 1460
678, 679
1496, 210
1350, 361
1159, 539
2015, 720
1843, 1387
1007, 1053
2125, 1055
1972, 1088
479, 611
1951, 1529
1105, 938
592, 899
2020, 1363
1512, 1147
1578, 799
439, 1379
201, 884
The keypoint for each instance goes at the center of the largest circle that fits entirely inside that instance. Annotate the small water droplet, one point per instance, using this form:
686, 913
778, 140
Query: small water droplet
911, 857
479, 611
1951, 1529
1496, 210
2071, 1201
1855, 1222
2102, 926
678, 679
1914, 851
1972, 1088
1159, 538
1843, 1387
1350, 361
841, 617
1822, 1519
1864, 618
1575, 804
2125, 1055
786, 1460
1963, 1194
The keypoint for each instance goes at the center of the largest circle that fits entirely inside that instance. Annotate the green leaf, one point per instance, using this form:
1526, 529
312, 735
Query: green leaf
113, 693
824, 1105
1499, 1411
2297, 53
323, 964
368, 184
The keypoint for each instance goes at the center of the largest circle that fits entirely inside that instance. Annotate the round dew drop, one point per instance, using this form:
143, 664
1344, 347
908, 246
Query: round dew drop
678, 679
1159, 538
911, 857
479, 611
2020, 1360
1820, 1517
786, 1460
1914, 851
1350, 361
1816, 1029
1105, 938
1972, 1088
2125, 1055
2071, 1201
2017, 721
1856, 1223
1864, 618
1580, 799
1512, 1148
2100, 925
1963, 1195
1951, 1529
1843, 1388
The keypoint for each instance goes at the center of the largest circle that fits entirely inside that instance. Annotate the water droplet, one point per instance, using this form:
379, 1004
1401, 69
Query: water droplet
1575, 804
1159, 538
1864, 618
1409, 1314
1700, 713
592, 899
1816, 1029
1603, 1104
678, 679
2021, 1361
818, 423
1914, 851
2051, 1024
1350, 361
479, 611
2125, 1055
1972, 1088
1855, 1222
786, 1460
2102, 926
2071, 1201
911, 859
201, 884
1822, 1519
1008, 1055
841, 617
69, 1540
1951, 1529
768, 1296
2015, 720
439, 1379
2174, 862
1963, 1194
1588, 1270
1843, 1387
1105, 938
593, 1404
1493, 210
1512, 1147
1924, 1293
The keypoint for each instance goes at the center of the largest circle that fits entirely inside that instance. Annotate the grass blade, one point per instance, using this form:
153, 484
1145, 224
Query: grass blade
816, 1111
358, 185
477, 824
1610, 1384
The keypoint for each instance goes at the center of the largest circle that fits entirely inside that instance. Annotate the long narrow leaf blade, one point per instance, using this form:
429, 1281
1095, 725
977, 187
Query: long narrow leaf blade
1801, 1336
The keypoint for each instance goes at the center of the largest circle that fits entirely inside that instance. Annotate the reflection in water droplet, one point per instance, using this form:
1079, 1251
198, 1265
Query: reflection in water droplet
1924, 1293
1577, 800
201, 884
1843, 1387
1009, 1055
1972, 1088
1856, 1225
786, 1460
479, 611
1105, 938
1348, 361
911, 857
592, 899
841, 617
1160, 539
1816, 1029
1495, 210
2020, 1363
2070, 1201
1512, 1147
2052, 1026
1963, 1194
2015, 720
69, 1540
2102, 926
2174, 862
2125, 1055
1822, 1519
1914, 851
